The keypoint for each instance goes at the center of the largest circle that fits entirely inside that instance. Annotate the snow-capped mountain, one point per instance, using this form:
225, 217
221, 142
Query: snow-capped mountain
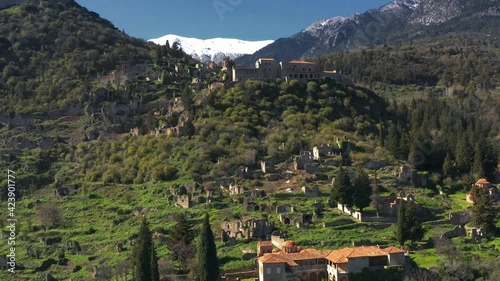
213, 49
398, 21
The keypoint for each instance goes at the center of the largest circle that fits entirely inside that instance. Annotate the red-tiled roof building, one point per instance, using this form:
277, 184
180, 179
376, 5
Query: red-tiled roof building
316, 265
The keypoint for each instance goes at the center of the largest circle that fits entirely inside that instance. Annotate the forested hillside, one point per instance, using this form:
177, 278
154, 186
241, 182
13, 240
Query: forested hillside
93, 156
470, 61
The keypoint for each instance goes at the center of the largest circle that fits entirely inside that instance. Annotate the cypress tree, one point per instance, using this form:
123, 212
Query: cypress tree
145, 262
447, 165
181, 232
483, 210
401, 235
381, 134
155, 272
463, 154
376, 200
362, 189
342, 189
207, 253
477, 166
413, 226
186, 98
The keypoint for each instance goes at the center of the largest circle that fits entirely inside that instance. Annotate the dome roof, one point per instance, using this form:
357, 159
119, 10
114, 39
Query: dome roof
289, 243
482, 181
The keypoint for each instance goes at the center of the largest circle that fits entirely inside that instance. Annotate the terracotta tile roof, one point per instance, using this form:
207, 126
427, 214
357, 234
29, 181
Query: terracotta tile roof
341, 256
301, 62
288, 243
265, 243
307, 254
337, 256
393, 250
277, 258
482, 181
270, 258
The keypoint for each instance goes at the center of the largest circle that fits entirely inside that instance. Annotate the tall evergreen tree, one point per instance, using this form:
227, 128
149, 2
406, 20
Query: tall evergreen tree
413, 226
145, 262
207, 253
381, 134
463, 154
182, 231
401, 234
155, 272
483, 210
342, 189
186, 98
477, 166
376, 200
362, 189
392, 139
447, 165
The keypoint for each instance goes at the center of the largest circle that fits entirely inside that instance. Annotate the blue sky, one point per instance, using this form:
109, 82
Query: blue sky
242, 19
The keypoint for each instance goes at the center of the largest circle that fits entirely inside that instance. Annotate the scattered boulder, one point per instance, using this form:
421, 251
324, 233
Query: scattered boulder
119, 247
46, 264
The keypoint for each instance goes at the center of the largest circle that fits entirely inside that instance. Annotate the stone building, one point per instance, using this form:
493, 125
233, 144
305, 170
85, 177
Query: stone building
391, 203
295, 263
267, 69
305, 158
484, 184
324, 150
299, 70
184, 201
114, 78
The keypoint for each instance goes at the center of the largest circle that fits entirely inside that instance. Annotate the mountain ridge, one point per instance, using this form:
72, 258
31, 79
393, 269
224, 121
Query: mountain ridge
396, 22
213, 49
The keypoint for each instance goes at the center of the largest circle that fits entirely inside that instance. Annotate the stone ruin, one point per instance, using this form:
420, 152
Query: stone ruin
285, 208
457, 231
267, 167
255, 194
298, 220
278, 238
475, 233
250, 206
391, 204
311, 192
236, 189
245, 228
407, 175
62, 191
324, 150
73, 246
184, 201
460, 218
244, 173
305, 158
192, 187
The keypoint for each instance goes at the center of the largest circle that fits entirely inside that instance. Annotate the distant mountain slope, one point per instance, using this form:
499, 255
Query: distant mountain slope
397, 22
213, 49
